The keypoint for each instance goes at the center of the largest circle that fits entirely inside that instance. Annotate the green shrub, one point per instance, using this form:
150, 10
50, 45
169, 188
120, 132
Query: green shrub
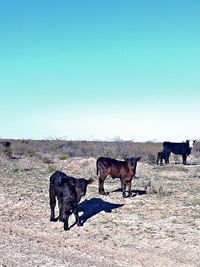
63, 157
182, 168
51, 169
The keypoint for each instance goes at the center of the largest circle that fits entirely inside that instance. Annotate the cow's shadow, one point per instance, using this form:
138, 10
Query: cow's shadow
94, 206
134, 192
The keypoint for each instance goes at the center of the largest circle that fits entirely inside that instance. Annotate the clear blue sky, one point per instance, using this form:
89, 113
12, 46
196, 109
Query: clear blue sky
100, 69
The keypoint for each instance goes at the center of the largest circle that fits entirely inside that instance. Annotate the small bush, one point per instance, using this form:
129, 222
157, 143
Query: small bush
51, 169
156, 187
63, 157
47, 159
30, 153
182, 168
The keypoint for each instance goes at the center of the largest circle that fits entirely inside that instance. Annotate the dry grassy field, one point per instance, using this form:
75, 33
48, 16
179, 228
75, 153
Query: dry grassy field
158, 226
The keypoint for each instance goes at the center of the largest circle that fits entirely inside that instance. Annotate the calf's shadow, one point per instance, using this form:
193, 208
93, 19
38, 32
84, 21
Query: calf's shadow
94, 206
134, 192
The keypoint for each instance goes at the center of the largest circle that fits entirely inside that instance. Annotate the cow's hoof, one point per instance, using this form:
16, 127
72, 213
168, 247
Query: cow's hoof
52, 220
79, 224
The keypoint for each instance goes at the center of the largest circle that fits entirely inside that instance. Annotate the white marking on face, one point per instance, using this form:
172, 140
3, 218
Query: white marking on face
191, 143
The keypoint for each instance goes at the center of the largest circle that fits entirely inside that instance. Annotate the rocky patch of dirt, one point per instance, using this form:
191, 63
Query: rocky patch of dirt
158, 226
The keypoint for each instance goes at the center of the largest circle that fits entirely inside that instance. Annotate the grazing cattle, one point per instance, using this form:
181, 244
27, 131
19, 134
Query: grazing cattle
68, 191
125, 170
163, 155
6, 143
7, 149
183, 149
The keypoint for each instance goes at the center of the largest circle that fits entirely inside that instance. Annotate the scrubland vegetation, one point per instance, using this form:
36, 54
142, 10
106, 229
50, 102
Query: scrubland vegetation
65, 149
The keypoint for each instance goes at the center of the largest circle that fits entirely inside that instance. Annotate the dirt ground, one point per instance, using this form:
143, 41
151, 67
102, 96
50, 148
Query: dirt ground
156, 227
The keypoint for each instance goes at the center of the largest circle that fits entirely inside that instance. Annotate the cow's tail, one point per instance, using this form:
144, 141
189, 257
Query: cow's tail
97, 166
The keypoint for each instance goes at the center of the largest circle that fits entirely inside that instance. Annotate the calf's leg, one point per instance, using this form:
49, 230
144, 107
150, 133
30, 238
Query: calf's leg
129, 188
60, 204
123, 185
184, 159
75, 211
65, 215
157, 161
101, 185
65, 220
52, 202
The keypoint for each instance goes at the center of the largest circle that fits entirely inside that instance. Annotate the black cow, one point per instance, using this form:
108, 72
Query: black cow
163, 155
183, 149
125, 170
68, 191
6, 143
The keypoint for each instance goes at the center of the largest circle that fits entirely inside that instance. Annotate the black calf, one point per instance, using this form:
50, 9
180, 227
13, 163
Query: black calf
163, 155
68, 191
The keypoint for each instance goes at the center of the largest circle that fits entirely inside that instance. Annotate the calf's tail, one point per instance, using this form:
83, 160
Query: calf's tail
97, 167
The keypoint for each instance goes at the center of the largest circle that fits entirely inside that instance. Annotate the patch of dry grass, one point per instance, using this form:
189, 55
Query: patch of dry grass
158, 228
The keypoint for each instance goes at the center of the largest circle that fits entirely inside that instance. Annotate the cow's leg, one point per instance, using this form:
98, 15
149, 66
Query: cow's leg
52, 202
168, 158
60, 205
123, 185
75, 211
65, 215
157, 161
184, 159
101, 185
65, 220
129, 188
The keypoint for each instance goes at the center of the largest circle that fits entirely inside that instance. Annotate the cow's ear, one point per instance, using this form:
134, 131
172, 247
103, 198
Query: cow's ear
126, 159
139, 158
90, 181
72, 182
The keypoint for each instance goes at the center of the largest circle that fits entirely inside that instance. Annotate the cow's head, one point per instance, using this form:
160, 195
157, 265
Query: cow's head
191, 143
81, 186
133, 161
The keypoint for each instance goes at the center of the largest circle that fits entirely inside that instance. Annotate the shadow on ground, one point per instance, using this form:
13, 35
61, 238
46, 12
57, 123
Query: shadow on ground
94, 206
134, 192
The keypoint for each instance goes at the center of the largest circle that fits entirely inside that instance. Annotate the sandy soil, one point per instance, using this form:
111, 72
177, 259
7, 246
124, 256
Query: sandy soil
160, 228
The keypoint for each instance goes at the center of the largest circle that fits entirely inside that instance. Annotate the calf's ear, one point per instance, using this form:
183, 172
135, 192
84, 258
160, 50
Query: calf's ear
90, 181
72, 182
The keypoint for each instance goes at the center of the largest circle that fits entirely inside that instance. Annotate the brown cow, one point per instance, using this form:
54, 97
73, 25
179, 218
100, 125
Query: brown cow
125, 170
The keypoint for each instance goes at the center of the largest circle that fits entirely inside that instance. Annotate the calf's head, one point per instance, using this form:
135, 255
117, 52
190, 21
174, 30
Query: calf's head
81, 186
133, 162
191, 143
